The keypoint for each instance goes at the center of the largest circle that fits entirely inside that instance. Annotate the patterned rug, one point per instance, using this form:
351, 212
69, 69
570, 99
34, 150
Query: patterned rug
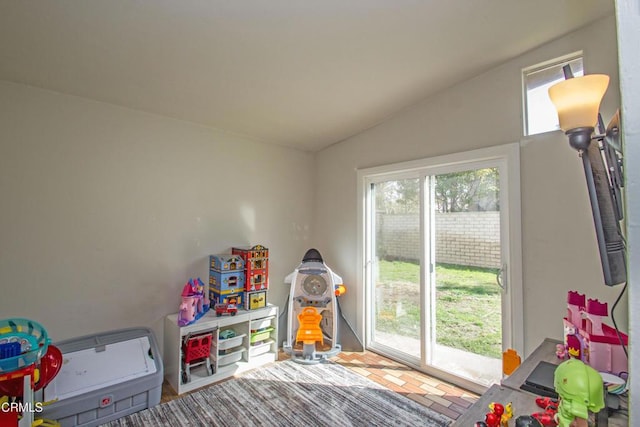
290, 394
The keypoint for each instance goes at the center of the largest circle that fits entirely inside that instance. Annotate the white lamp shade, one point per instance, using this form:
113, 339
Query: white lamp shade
578, 100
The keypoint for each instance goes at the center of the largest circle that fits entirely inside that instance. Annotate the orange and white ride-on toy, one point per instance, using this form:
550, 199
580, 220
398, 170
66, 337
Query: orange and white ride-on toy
312, 321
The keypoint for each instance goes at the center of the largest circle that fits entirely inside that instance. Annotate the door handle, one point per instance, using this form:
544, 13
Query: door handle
499, 274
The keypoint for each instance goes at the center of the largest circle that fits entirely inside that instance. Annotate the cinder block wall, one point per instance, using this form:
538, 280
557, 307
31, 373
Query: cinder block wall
463, 238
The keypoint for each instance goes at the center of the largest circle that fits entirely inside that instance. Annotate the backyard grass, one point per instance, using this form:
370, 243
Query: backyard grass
467, 305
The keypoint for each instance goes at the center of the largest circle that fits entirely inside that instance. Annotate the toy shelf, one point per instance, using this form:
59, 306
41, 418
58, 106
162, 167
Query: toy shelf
228, 356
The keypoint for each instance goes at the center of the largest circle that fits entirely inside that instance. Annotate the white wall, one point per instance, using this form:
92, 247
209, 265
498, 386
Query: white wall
628, 19
106, 212
559, 248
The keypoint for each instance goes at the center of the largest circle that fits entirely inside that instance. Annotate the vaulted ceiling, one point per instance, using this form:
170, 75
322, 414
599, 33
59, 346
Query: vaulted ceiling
300, 73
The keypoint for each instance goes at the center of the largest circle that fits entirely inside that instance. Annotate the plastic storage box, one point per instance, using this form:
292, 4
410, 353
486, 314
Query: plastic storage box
261, 335
105, 377
225, 344
258, 349
232, 357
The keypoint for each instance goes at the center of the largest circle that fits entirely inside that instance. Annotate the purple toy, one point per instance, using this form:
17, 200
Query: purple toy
195, 302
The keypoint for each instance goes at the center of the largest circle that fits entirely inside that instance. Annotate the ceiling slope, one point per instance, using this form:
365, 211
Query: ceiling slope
305, 74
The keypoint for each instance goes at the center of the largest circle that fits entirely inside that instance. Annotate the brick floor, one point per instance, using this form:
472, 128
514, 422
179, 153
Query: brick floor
447, 399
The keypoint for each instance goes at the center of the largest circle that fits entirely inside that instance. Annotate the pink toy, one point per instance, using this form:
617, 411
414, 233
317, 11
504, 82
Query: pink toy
561, 351
195, 302
587, 338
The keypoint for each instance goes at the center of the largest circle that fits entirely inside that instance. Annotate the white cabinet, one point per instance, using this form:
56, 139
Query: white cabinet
254, 343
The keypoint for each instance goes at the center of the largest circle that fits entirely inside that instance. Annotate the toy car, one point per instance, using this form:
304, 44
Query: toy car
226, 309
227, 333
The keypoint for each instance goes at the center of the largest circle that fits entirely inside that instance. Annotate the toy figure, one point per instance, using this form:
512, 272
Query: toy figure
491, 420
508, 413
548, 417
494, 417
547, 403
580, 388
561, 351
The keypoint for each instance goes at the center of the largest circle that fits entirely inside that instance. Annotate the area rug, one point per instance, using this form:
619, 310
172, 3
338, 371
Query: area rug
290, 394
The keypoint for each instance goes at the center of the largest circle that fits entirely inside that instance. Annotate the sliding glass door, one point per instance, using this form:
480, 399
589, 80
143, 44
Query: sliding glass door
436, 256
396, 248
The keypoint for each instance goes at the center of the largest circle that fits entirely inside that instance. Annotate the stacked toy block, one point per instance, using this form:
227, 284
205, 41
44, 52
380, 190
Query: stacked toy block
256, 272
226, 279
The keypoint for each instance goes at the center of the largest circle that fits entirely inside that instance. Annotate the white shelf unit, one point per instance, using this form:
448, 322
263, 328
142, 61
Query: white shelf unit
228, 356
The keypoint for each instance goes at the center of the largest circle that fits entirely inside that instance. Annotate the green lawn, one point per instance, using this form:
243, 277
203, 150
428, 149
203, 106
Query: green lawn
467, 305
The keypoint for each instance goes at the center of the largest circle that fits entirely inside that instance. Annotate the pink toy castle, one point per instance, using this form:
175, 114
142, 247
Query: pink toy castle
587, 338
195, 302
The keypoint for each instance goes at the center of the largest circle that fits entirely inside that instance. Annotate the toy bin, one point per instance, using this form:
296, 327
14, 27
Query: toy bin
261, 335
105, 377
258, 324
262, 348
225, 344
228, 358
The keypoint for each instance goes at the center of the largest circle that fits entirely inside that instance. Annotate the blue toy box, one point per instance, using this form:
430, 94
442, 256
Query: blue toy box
223, 281
226, 262
226, 297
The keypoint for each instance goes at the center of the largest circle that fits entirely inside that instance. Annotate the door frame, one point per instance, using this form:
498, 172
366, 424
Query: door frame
508, 156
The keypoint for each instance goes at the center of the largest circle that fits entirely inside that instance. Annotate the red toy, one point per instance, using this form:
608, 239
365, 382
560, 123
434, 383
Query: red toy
548, 417
493, 418
223, 308
195, 352
547, 403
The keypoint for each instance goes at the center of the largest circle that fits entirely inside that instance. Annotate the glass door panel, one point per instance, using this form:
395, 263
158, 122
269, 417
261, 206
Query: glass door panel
466, 329
439, 237
396, 250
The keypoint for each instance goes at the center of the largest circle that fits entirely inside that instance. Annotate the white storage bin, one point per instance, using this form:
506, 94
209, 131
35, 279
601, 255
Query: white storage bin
261, 323
230, 358
230, 342
259, 349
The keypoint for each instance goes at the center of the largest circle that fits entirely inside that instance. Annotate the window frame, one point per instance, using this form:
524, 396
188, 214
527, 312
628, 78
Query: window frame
552, 63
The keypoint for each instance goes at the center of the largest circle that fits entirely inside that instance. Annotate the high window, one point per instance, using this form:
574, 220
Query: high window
540, 114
